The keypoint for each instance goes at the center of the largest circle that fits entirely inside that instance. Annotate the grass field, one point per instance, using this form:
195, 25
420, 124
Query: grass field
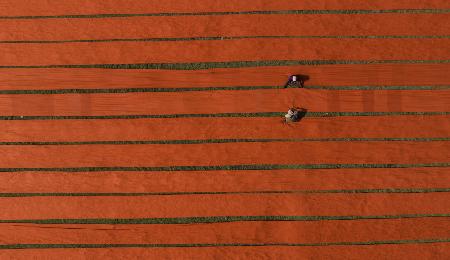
153, 129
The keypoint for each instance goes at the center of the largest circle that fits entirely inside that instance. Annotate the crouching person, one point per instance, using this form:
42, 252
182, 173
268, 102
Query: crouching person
295, 114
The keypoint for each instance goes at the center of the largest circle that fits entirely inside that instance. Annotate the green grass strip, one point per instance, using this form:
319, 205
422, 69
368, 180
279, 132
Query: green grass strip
138, 194
218, 219
146, 90
223, 64
220, 115
440, 87
365, 243
232, 88
271, 12
259, 167
227, 38
219, 141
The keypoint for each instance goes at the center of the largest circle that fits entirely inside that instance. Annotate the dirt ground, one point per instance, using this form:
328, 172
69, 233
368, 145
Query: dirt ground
154, 129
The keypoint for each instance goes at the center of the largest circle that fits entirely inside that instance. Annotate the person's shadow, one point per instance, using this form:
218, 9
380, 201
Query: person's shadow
301, 114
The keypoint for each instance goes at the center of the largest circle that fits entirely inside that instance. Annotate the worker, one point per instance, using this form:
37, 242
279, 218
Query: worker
292, 115
294, 80
295, 114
